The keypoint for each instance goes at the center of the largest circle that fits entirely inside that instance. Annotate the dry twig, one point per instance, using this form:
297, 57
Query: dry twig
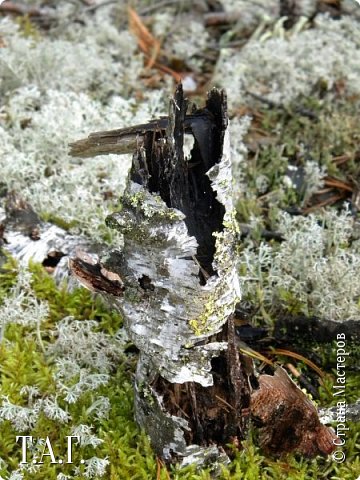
20, 9
149, 45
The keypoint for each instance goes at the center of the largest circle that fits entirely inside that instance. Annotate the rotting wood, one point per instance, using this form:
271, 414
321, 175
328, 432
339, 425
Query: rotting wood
27, 238
177, 287
20, 9
291, 422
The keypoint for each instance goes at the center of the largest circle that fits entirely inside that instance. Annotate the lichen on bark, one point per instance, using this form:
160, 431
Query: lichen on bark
175, 281
177, 264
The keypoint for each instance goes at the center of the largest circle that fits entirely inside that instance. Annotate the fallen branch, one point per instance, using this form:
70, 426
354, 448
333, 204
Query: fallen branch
20, 9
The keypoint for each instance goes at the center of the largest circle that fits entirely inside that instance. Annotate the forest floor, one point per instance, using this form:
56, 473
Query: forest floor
291, 71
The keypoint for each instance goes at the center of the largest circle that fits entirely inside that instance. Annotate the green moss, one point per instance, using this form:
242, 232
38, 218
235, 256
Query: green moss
23, 362
58, 221
289, 138
291, 302
8, 274
80, 303
248, 207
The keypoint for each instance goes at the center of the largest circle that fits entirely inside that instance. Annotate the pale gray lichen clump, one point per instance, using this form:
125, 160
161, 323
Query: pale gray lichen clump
58, 87
73, 58
281, 66
251, 15
176, 38
22, 306
313, 178
312, 271
53, 86
83, 360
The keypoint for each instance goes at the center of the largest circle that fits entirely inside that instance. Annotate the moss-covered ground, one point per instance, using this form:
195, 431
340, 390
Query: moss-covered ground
25, 362
65, 365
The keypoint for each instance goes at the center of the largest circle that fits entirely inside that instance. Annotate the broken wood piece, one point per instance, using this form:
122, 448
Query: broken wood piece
215, 19
177, 288
288, 420
119, 141
128, 140
20, 9
28, 238
104, 145
20, 216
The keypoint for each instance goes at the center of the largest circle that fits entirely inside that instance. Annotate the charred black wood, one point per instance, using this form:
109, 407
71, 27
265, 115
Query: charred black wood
176, 283
291, 328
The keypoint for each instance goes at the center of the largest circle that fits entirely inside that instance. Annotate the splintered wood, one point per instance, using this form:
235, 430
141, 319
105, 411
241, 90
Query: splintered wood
176, 283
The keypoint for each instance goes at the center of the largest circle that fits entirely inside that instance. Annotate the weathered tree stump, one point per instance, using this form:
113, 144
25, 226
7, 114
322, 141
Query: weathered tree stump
176, 284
